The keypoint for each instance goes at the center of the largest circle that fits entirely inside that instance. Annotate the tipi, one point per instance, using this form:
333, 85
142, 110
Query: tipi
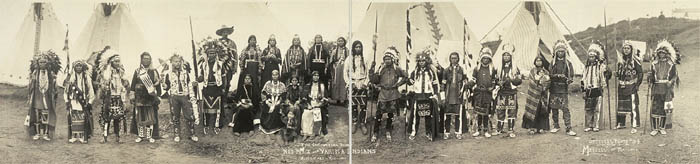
111, 24
533, 31
40, 31
438, 25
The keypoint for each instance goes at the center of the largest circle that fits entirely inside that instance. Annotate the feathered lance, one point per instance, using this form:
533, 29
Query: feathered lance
465, 91
65, 48
408, 52
374, 60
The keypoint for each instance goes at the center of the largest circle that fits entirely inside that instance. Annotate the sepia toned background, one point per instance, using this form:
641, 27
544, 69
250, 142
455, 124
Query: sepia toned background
162, 28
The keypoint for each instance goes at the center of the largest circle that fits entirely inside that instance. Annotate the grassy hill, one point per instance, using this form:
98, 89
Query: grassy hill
685, 33
680, 31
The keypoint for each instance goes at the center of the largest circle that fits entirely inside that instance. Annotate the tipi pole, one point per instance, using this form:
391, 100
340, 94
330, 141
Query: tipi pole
567, 28
499, 22
605, 21
37, 28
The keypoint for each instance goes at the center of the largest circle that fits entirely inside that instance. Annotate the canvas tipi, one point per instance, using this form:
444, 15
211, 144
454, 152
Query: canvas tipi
40, 31
533, 31
111, 24
437, 25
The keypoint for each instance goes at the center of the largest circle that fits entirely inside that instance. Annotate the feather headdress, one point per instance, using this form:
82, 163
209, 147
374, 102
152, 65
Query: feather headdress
53, 62
596, 49
666, 47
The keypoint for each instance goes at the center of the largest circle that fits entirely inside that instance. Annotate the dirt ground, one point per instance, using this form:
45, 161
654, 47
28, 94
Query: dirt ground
681, 145
17, 147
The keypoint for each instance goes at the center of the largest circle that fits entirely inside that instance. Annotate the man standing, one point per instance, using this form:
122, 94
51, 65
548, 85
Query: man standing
211, 80
484, 84
388, 79
357, 75
507, 99
664, 75
424, 91
595, 77
454, 81
41, 119
630, 76
79, 96
228, 57
562, 74
113, 91
146, 88
180, 87
229, 48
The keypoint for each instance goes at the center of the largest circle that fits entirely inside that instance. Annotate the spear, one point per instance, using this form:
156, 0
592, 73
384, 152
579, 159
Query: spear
65, 48
374, 60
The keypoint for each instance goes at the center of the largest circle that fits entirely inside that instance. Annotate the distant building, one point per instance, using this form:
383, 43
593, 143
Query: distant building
690, 13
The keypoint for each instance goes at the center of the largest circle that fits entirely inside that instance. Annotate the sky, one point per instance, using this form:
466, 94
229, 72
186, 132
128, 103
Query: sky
165, 21
577, 15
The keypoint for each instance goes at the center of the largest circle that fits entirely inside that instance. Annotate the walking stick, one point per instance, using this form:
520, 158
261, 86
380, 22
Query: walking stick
371, 105
609, 113
644, 123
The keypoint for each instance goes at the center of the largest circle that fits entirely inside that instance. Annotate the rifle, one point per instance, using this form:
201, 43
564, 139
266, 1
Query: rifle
197, 92
194, 56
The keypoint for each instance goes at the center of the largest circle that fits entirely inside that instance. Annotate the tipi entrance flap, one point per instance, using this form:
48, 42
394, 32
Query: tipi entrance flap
430, 25
533, 23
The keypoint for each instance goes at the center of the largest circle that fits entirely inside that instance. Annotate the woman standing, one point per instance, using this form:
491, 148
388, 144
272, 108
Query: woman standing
295, 64
338, 84
536, 117
250, 61
271, 59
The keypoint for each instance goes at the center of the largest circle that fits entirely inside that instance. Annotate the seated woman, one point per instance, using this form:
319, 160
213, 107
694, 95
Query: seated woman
273, 95
312, 118
247, 100
295, 102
